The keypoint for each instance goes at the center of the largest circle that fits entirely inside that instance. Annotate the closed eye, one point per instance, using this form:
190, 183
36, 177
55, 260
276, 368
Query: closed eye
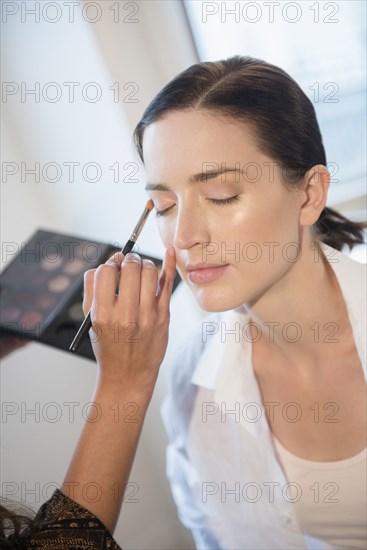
162, 212
225, 201
229, 200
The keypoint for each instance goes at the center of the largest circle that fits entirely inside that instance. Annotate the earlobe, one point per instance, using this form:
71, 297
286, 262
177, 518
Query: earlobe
316, 186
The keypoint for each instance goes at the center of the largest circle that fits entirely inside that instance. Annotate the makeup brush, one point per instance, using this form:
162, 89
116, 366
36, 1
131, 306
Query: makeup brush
87, 323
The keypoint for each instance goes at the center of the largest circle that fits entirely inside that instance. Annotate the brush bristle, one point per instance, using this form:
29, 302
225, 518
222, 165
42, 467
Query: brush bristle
150, 205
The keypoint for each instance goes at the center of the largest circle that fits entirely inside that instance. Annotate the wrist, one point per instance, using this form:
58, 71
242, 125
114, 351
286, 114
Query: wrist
108, 390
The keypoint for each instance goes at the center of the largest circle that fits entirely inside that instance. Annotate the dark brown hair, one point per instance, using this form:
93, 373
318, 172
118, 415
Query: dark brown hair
15, 524
282, 118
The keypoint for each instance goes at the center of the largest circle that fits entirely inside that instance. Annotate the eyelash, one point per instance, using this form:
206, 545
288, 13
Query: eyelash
221, 202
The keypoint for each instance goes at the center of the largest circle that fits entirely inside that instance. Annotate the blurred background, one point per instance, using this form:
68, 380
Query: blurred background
76, 78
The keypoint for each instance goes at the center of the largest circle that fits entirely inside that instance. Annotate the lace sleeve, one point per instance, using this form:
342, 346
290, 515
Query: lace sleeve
63, 523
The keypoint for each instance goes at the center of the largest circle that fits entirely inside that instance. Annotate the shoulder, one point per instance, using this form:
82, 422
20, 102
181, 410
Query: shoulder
344, 264
352, 276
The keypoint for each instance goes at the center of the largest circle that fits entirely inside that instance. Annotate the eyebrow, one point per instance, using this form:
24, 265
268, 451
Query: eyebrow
196, 178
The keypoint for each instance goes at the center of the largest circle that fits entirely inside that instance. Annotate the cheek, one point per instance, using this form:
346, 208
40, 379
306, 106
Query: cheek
166, 231
266, 216
258, 230
245, 223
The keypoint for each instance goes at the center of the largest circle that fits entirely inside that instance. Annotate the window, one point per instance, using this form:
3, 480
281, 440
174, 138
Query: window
322, 46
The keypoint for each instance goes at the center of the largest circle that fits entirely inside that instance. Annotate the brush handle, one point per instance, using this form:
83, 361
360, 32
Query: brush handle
81, 334
128, 247
87, 323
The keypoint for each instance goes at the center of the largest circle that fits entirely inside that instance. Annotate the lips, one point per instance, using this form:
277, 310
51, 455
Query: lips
203, 265
206, 274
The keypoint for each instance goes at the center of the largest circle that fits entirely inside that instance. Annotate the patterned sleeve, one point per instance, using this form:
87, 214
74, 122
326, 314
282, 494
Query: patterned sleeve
63, 523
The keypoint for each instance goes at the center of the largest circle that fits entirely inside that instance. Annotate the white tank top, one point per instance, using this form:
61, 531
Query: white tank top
329, 497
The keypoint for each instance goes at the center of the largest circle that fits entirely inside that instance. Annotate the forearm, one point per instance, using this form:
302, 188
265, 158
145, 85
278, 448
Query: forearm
101, 465
127, 372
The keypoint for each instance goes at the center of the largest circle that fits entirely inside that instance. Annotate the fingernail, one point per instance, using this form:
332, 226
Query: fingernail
132, 257
171, 251
149, 264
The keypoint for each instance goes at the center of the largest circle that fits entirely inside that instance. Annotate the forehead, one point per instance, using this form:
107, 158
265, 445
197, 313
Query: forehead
182, 141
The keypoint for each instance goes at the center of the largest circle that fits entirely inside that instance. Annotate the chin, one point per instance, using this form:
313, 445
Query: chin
212, 301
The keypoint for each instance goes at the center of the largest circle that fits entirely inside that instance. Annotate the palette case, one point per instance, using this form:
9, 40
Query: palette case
41, 288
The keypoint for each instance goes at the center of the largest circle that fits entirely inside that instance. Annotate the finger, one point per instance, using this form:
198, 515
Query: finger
148, 287
105, 280
166, 282
116, 260
129, 287
88, 290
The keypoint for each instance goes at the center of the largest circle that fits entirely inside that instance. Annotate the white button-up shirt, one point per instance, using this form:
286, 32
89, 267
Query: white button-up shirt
226, 479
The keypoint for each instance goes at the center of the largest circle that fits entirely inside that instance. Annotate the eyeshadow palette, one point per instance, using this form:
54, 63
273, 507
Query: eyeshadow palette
41, 288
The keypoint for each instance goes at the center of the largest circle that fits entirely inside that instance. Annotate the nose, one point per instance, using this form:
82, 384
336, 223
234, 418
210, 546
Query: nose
191, 227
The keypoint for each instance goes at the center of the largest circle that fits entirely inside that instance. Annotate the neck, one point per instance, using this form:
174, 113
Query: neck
303, 313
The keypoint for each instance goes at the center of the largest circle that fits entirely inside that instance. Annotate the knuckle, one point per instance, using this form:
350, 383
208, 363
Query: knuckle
149, 317
163, 321
100, 318
145, 324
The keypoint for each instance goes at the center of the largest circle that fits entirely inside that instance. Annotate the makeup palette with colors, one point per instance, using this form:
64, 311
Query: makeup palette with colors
41, 288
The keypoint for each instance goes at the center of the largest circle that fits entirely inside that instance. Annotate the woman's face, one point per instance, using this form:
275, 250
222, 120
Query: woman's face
252, 238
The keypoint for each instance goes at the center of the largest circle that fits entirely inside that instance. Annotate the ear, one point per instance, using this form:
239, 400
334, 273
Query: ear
315, 186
